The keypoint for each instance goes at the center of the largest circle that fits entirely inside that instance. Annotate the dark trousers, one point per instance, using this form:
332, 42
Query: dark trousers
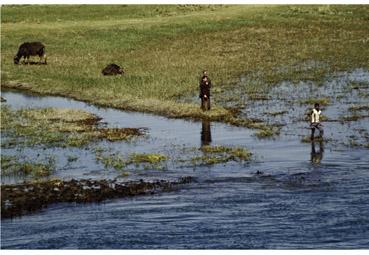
205, 104
316, 126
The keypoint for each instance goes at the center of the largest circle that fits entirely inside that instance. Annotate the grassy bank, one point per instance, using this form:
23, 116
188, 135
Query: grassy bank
164, 48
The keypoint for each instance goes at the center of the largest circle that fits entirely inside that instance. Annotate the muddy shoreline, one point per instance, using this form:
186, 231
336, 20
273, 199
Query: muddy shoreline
20, 199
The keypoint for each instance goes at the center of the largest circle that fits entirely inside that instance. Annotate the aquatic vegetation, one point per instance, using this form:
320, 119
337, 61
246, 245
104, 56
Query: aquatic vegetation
267, 132
363, 95
11, 165
19, 199
61, 114
358, 85
112, 161
151, 158
221, 154
118, 134
258, 97
354, 117
277, 113
359, 108
72, 158
58, 127
311, 101
139, 160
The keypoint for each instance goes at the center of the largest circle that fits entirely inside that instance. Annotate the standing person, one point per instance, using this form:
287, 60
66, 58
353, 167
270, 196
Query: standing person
205, 86
315, 124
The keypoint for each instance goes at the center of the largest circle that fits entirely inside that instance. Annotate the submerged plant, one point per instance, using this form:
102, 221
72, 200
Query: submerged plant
141, 160
221, 154
11, 165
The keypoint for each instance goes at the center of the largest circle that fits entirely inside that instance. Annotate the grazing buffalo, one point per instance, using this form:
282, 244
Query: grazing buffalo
112, 69
28, 49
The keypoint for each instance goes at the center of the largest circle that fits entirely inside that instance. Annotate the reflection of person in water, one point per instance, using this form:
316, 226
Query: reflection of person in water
205, 133
317, 156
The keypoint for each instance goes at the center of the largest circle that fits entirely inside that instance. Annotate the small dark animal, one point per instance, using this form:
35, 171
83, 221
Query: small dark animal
28, 49
112, 69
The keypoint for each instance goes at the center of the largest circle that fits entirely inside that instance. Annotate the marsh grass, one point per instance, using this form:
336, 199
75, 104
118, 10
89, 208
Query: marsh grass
11, 165
221, 154
311, 101
267, 133
138, 160
354, 117
164, 48
355, 108
57, 127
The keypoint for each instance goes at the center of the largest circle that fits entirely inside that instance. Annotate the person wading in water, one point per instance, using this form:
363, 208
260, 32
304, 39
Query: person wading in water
315, 123
205, 85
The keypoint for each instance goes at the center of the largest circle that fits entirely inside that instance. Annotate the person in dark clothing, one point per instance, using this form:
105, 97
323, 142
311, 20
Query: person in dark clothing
205, 86
205, 133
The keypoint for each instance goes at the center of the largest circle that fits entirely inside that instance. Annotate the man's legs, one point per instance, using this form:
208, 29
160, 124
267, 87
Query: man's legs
312, 132
321, 131
203, 104
208, 104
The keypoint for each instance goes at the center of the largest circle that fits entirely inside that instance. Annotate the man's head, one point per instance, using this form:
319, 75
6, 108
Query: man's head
205, 73
316, 106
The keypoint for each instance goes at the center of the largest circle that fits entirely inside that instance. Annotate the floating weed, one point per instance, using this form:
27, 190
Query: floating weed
141, 160
277, 113
10, 165
354, 117
359, 108
260, 97
72, 158
358, 85
311, 101
151, 158
267, 132
118, 134
221, 154
58, 127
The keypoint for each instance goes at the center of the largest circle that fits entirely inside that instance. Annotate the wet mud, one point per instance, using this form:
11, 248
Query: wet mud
20, 199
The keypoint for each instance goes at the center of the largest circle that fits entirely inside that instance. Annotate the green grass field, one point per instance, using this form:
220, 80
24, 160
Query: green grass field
164, 49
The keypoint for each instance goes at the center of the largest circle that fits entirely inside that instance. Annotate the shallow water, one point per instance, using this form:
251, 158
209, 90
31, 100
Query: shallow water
305, 197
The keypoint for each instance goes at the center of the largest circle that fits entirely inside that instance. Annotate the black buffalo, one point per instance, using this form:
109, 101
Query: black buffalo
112, 69
28, 49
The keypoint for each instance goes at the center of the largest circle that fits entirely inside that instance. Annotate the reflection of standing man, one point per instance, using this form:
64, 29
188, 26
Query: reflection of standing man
205, 85
317, 156
205, 133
